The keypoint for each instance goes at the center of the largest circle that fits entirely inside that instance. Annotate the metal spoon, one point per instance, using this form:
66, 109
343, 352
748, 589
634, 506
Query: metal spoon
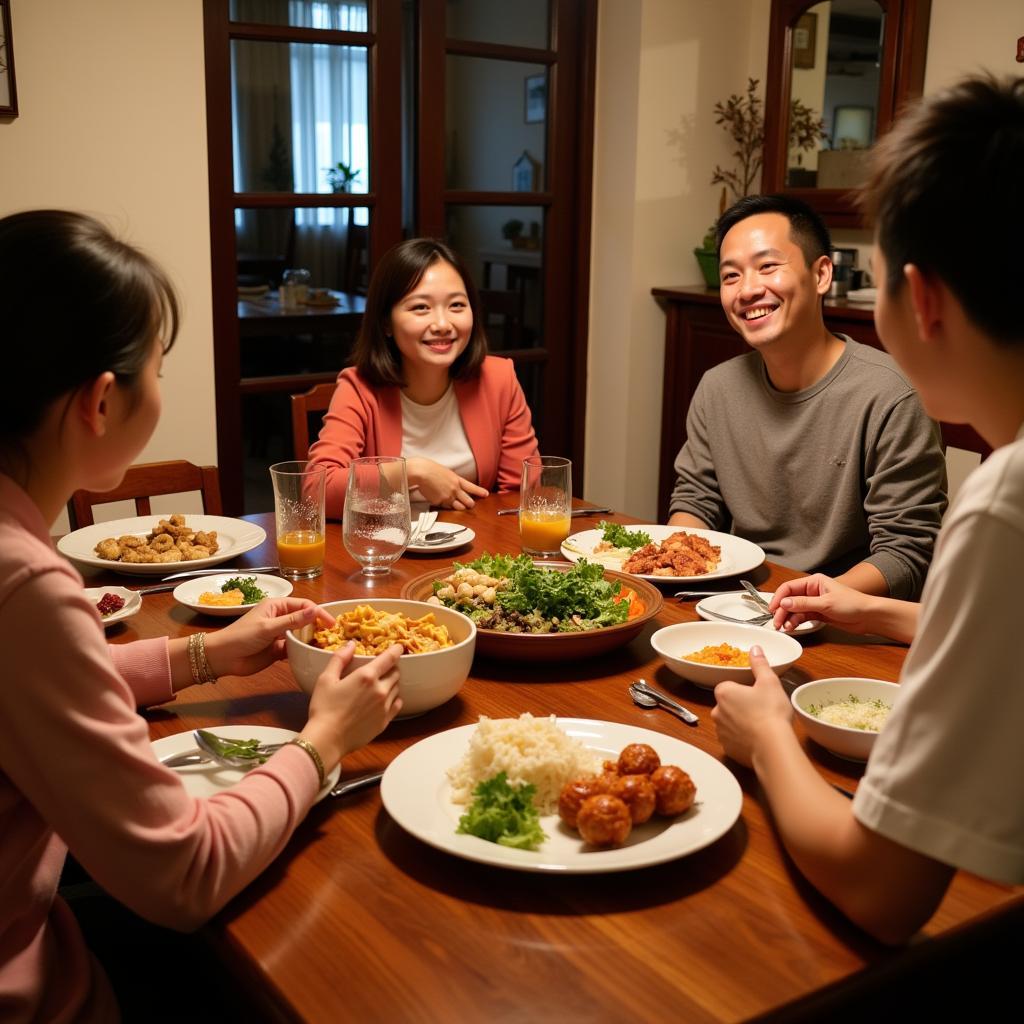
440, 536
647, 697
755, 594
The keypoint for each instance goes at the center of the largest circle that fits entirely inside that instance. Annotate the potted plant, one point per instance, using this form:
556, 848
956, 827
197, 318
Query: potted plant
742, 118
511, 230
342, 177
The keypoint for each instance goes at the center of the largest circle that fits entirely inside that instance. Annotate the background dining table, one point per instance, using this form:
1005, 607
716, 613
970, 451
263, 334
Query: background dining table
359, 920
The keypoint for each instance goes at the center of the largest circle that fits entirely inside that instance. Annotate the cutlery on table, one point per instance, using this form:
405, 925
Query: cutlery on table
170, 582
755, 620
212, 744
440, 536
575, 512
685, 595
647, 697
204, 755
349, 785
755, 594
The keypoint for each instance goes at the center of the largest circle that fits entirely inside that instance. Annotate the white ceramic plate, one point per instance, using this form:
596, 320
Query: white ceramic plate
463, 538
416, 794
132, 602
738, 555
740, 605
189, 592
235, 537
204, 780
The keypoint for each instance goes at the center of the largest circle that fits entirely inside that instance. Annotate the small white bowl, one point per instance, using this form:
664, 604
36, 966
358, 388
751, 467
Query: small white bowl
132, 602
189, 592
853, 744
673, 642
426, 681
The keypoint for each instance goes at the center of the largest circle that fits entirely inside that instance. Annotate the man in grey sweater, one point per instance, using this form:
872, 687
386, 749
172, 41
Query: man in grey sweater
813, 446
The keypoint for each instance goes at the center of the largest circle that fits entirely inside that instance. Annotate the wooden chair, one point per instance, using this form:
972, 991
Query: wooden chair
145, 480
503, 317
316, 400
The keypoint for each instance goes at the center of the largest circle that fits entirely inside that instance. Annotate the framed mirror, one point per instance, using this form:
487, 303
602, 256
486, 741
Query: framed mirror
838, 72
8, 92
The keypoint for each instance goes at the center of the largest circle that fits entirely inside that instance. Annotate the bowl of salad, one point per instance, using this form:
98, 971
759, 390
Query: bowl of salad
541, 611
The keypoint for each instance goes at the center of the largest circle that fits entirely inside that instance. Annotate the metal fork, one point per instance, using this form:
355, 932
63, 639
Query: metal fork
757, 620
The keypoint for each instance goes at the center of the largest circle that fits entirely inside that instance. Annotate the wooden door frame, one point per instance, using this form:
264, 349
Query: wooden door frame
566, 196
383, 42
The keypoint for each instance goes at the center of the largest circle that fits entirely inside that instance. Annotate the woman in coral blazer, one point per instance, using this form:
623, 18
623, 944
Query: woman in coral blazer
424, 387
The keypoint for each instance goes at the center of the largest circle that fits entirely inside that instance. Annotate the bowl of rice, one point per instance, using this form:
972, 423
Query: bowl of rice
439, 645
844, 714
708, 653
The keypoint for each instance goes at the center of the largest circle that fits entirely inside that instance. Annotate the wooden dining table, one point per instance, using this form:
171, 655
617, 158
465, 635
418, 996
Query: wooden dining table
358, 920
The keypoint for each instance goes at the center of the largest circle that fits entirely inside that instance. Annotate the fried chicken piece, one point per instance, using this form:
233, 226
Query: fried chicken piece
109, 549
681, 554
142, 555
170, 555
207, 539
195, 552
129, 540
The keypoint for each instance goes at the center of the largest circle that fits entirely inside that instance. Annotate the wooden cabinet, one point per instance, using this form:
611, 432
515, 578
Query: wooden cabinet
698, 336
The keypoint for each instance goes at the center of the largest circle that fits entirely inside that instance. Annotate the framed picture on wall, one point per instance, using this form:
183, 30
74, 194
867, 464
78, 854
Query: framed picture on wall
536, 98
805, 37
8, 92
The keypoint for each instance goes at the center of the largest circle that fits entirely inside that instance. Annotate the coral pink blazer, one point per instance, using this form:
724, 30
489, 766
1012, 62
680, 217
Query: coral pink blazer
365, 420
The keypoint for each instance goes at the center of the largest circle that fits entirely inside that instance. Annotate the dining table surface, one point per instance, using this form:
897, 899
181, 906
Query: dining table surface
357, 919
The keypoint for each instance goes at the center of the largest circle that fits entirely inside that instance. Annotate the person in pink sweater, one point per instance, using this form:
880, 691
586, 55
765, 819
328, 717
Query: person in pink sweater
76, 767
424, 387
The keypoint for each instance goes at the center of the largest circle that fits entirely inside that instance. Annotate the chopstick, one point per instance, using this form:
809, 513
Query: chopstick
574, 512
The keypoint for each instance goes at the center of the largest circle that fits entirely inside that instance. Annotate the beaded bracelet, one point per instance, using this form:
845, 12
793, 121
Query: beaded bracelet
201, 671
315, 755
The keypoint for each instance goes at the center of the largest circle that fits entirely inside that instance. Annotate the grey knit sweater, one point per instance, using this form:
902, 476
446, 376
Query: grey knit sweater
847, 470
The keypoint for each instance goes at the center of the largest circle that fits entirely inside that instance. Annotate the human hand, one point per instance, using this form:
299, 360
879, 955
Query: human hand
442, 486
347, 711
821, 598
745, 715
256, 640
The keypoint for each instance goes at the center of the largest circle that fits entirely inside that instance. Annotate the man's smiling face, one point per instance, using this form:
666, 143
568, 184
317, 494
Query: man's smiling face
768, 290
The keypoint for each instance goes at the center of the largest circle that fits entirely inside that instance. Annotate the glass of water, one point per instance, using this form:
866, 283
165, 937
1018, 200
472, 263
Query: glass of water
375, 526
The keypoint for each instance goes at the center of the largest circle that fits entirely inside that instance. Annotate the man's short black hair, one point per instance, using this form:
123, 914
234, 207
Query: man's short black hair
946, 193
806, 228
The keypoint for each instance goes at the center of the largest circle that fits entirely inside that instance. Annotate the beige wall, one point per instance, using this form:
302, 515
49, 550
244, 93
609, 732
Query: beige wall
661, 66
112, 122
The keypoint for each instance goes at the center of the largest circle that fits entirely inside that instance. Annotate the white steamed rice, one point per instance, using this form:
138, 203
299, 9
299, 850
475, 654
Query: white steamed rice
526, 749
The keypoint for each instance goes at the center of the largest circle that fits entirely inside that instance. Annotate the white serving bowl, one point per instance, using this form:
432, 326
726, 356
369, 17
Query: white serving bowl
426, 680
673, 642
853, 744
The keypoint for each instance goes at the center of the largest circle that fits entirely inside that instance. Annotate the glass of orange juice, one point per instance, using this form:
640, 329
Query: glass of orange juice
545, 501
299, 514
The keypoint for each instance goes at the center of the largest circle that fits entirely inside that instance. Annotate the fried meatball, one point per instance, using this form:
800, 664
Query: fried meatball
572, 796
674, 790
604, 820
638, 794
638, 759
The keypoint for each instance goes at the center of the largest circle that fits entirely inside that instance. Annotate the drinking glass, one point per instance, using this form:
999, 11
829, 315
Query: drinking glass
299, 515
545, 501
375, 527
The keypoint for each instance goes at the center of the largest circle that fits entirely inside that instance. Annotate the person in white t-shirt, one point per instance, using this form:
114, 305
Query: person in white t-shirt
423, 387
944, 787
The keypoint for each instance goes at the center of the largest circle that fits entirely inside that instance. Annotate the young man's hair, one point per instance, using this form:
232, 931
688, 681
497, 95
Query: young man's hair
806, 228
946, 193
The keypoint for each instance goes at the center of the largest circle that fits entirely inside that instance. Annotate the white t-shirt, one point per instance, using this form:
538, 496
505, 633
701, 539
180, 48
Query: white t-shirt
436, 432
946, 776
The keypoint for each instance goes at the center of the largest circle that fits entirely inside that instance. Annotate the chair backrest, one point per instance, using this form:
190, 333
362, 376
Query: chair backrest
316, 399
146, 480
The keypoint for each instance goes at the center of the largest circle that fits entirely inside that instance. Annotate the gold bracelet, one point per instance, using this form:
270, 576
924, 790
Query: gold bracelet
315, 755
201, 671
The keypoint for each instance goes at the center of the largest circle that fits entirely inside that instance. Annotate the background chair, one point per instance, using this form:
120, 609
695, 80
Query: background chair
316, 400
145, 480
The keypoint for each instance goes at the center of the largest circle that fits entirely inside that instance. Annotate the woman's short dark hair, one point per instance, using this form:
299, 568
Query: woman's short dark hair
376, 355
946, 193
806, 228
76, 302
